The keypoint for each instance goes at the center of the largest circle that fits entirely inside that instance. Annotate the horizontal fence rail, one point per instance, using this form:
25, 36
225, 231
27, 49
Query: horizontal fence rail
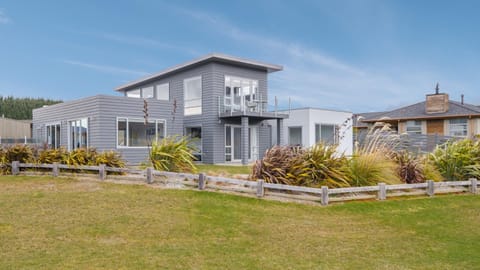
261, 189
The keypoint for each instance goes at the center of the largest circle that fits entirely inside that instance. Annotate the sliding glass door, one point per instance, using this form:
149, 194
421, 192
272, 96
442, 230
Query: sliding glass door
233, 143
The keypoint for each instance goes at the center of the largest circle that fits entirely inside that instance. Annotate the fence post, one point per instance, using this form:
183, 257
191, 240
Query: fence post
430, 188
382, 191
55, 169
15, 169
473, 185
149, 175
260, 189
101, 171
324, 199
201, 181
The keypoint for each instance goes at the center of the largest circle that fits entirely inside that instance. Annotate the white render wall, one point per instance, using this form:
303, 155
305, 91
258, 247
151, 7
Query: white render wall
308, 117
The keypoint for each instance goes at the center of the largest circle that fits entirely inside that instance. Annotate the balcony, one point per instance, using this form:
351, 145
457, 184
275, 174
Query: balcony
232, 107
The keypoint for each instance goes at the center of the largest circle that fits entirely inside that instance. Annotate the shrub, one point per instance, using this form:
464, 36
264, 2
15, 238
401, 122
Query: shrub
314, 167
457, 160
81, 157
174, 154
279, 165
415, 168
371, 168
110, 159
19, 152
379, 139
49, 156
4, 166
325, 167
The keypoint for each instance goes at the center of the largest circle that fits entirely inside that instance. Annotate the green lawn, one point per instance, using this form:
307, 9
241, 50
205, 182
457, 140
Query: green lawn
224, 170
50, 223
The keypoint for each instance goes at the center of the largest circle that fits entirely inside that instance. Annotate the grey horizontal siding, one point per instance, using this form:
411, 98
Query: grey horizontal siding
211, 120
102, 112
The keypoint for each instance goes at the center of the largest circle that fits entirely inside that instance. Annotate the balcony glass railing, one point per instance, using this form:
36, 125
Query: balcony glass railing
230, 105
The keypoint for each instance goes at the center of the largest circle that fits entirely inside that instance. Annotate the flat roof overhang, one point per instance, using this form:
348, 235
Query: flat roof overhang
253, 115
213, 57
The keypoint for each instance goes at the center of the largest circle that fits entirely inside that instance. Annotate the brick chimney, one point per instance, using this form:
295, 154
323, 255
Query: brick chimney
436, 103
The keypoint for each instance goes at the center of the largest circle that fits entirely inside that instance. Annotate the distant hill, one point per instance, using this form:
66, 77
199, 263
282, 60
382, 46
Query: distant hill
21, 108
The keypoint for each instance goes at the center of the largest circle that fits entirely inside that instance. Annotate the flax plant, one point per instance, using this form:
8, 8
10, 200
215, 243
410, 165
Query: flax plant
174, 154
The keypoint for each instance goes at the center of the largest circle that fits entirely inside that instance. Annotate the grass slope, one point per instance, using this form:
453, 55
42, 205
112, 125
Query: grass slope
67, 224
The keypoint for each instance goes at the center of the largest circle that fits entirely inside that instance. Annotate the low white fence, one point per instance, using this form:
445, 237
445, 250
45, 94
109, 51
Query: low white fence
259, 188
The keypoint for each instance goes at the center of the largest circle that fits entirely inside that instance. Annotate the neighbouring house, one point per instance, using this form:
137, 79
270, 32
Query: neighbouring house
437, 117
308, 126
219, 100
12, 130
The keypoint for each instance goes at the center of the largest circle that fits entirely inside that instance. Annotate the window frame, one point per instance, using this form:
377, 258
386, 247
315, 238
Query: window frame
450, 124
336, 139
137, 120
253, 94
132, 90
301, 135
152, 87
414, 126
185, 92
156, 90
200, 150
69, 133
54, 124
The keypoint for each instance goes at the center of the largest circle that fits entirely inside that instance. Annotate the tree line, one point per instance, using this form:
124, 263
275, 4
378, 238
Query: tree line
21, 108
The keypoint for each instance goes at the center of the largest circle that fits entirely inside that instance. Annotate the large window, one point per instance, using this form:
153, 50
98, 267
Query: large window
414, 127
295, 136
193, 96
78, 133
134, 132
53, 136
163, 91
240, 93
458, 127
325, 133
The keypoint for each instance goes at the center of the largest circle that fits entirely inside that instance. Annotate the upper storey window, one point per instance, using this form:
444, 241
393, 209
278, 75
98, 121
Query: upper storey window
159, 91
147, 92
163, 91
193, 95
136, 93
241, 94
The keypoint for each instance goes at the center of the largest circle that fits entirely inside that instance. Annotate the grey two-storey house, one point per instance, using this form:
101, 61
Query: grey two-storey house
219, 100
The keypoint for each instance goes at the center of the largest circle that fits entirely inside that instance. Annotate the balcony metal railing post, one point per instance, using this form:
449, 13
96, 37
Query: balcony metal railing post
261, 105
276, 105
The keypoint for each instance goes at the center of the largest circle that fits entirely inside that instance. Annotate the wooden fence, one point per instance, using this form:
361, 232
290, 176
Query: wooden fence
260, 188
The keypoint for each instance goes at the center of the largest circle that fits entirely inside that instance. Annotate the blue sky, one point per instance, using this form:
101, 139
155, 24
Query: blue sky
348, 55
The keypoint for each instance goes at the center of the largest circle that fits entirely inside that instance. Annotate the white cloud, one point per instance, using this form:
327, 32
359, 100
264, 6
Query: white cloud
105, 69
146, 42
4, 19
314, 78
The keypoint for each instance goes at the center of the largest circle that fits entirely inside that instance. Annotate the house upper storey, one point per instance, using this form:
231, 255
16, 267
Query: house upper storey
216, 82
